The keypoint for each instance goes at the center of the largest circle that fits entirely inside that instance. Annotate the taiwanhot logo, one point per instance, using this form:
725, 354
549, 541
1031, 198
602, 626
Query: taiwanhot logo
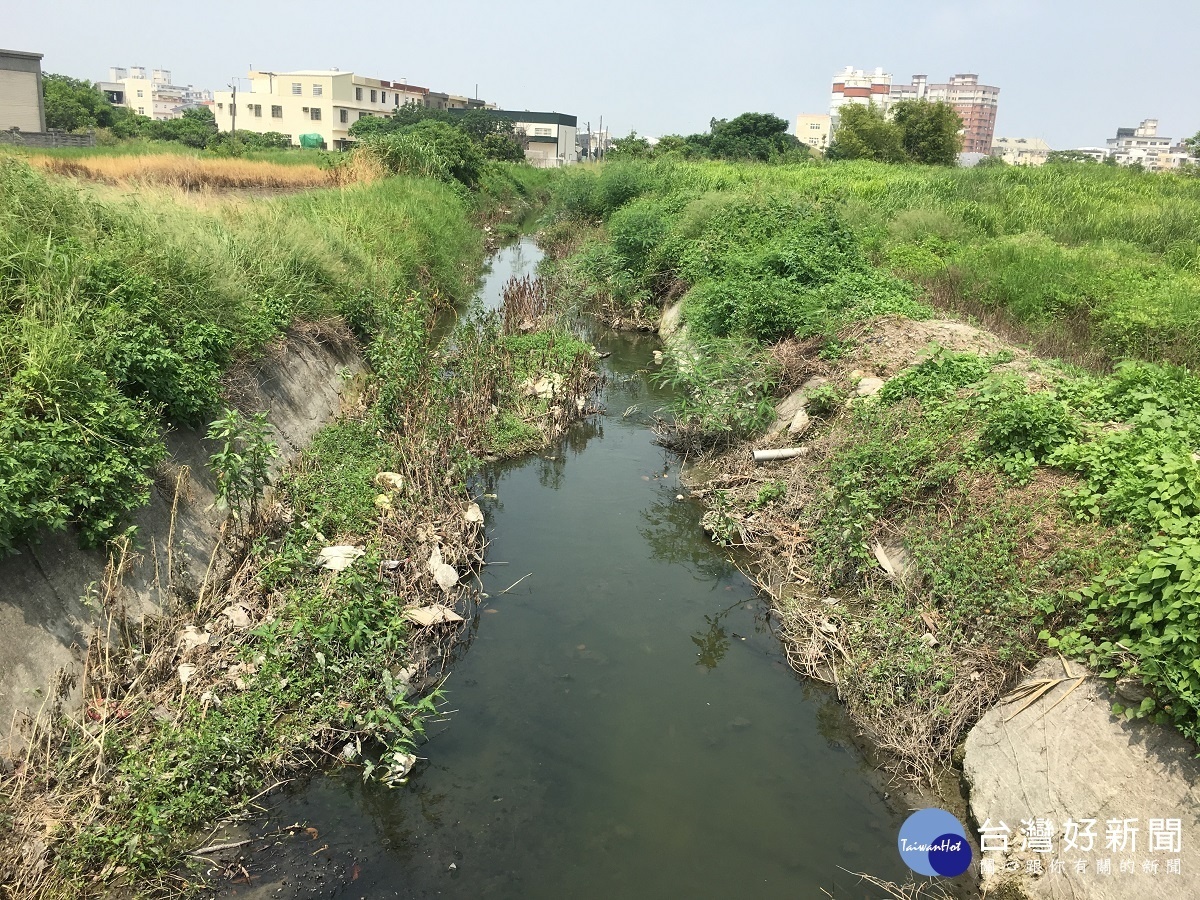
933, 842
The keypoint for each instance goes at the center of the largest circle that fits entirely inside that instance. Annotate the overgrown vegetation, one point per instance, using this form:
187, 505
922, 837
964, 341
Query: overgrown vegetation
987, 509
120, 317
123, 317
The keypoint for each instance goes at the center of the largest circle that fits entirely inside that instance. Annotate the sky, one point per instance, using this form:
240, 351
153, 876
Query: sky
1070, 72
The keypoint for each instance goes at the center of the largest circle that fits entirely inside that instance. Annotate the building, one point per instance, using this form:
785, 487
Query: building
853, 85
975, 103
21, 91
151, 92
814, 130
550, 138
1021, 151
324, 102
1143, 146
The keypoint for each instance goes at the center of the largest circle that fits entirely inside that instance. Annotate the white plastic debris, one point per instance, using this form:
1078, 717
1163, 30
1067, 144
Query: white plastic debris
237, 615
338, 557
445, 575
186, 671
192, 637
473, 515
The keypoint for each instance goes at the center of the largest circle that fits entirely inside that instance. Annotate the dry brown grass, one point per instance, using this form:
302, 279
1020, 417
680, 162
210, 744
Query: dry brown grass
190, 173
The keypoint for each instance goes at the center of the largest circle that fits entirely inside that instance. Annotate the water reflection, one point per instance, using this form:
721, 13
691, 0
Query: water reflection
670, 530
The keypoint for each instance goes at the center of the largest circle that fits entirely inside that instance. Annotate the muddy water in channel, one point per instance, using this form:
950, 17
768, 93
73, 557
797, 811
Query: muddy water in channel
623, 723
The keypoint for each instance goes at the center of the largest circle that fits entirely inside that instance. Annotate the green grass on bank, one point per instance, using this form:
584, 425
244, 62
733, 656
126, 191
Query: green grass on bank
1108, 257
1100, 558
117, 315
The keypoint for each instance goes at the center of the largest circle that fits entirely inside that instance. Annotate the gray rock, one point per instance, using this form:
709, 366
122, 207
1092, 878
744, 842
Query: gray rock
791, 404
800, 422
869, 386
1077, 760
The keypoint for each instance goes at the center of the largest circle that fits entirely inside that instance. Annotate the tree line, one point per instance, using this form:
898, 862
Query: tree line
917, 131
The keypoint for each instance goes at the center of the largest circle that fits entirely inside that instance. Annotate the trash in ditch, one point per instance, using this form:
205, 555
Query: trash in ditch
338, 557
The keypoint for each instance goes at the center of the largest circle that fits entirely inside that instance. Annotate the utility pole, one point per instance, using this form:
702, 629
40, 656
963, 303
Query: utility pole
591, 149
600, 140
233, 111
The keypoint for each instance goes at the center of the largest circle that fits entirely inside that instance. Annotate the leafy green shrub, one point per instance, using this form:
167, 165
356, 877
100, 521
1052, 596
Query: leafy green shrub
440, 144
79, 456
764, 309
1022, 430
857, 294
635, 230
938, 377
1146, 623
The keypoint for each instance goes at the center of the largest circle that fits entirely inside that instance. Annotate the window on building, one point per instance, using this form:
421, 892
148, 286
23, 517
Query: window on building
374, 94
315, 114
358, 93
276, 112
317, 90
361, 114
542, 131
297, 88
258, 110
141, 110
397, 98
344, 115
383, 96
140, 93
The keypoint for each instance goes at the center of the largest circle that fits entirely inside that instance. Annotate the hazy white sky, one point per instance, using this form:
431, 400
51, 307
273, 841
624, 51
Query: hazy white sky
1069, 71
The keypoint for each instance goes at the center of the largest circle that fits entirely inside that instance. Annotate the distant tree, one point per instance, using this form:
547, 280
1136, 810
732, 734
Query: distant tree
368, 126
1193, 145
502, 147
930, 131
631, 147
759, 136
194, 128
863, 132
670, 143
1059, 157
73, 105
479, 123
991, 162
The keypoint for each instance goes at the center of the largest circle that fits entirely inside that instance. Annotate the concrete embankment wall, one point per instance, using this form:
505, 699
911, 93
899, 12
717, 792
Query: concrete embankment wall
44, 617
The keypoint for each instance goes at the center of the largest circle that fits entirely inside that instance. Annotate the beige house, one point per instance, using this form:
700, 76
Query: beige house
1021, 151
324, 102
21, 91
814, 129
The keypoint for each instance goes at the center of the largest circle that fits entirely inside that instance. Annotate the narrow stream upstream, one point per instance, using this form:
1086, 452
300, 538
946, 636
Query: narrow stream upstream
624, 723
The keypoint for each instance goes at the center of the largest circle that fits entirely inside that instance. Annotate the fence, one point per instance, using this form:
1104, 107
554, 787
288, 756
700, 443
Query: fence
47, 138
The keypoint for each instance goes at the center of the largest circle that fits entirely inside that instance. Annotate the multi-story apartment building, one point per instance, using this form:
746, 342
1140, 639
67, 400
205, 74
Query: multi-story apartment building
814, 130
21, 104
324, 102
853, 85
1021, 151
1143, 145
974, 102
151, 92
